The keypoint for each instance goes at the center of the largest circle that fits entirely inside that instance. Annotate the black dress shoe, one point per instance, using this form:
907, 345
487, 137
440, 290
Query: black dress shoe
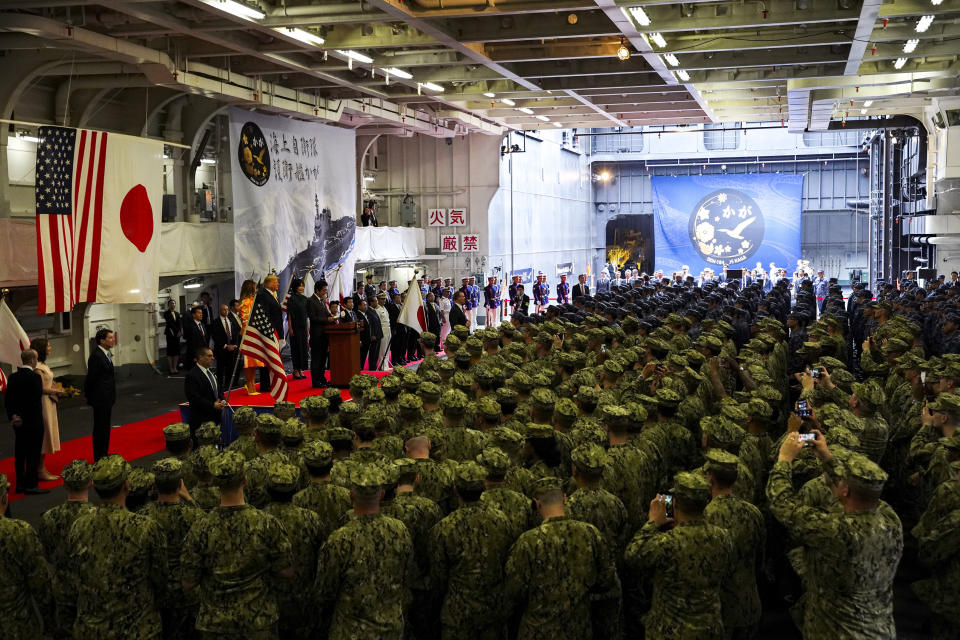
36, 491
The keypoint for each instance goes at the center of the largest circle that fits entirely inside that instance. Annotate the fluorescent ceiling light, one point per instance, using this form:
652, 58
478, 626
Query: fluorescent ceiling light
432, 86
33, 139
899, 63
195, 285
910, 45
134, 291
640, 16
683, 75
207, 161
490, 94
236, 9
353, 55
301, 35
508, 102
543, 118
672, 59
400, 73
924, 23
369, 179
868, 103
557, 124
863, 112
526, 110
658, 39
935, 2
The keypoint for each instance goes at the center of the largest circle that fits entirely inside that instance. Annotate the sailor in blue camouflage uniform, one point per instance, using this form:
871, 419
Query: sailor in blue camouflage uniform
541, 293
474, 290
512, 291
563, 290
820, 289
491, 301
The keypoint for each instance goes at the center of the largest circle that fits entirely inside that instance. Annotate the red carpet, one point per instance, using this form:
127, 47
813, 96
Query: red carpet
299, 389
132, 441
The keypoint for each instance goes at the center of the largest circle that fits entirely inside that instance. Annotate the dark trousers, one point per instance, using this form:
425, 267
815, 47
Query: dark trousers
398, 344
298, 350
319, 345
364, 354
413, 346
225, 364
26, 454
101, 430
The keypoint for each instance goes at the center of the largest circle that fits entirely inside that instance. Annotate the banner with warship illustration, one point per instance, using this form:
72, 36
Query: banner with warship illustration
732, 220
294, 199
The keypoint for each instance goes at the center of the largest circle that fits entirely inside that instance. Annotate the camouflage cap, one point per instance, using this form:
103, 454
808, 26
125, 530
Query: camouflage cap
390, 384
946, 403
404, 467
317, 453
543, 399
453, 402
228, 467
587, 395
332, 392
208, 433
862, 473
293, 431
425, 376
566, 407
614, 415
168, 470
691, 486
462, 381
473, 345
430, 392
141, 481
462, 356
869, 394
505, 436
540, 486
734, 412
470, 476
202, 457
710, 342
76, 475
338, 434
282, 477
910, 360
428, 339
451, 344
367, 476
758, 408
843, 437
284, 409
269, 424
542, 380
506, 395
411, 382
488, 407
720, 459
521, 381
4, 484
539, 431
110, 472
483, 374
495, 460
244, 419
613, 367
722, 432
373, 395
590, 458
314, 407
667, 398
410, 405
350, 410
658, 347
176, 432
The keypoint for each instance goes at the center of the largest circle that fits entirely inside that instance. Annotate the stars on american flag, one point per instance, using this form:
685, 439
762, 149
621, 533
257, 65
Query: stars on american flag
54, 171
261, 322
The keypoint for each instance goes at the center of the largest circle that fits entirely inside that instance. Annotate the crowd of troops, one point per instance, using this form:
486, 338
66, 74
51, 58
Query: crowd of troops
657, 460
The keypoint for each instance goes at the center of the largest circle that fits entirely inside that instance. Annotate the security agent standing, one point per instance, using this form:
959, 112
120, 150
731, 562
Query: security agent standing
581, 288
375, 335
491, 301
521, 301
202, 392
856, 552
687, 562
226, 340
100, 389
320, 317
563, 290
24, 410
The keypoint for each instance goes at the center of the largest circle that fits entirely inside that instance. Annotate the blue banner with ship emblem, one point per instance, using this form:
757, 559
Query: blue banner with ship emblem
733, 220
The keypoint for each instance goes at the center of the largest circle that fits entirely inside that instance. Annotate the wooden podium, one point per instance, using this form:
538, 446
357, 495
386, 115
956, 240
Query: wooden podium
344, 353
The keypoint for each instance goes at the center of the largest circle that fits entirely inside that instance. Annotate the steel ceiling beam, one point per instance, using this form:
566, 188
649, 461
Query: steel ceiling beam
746, 15
868, 18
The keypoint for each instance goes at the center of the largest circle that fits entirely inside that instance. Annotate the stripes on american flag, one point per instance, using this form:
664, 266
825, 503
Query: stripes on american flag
69, 198
286, 298
260, 342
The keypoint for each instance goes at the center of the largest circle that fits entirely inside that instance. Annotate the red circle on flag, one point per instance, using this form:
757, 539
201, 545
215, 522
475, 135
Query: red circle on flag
136, 217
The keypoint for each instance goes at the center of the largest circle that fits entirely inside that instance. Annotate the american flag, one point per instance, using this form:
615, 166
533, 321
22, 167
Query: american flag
260, 342
69, 198
286, 298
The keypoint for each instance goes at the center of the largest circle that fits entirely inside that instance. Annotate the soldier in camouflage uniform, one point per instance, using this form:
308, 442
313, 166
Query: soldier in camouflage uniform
141, 484
244, 421
467, 550
739, 596
591, 503
305, 532
517, 507
230, 556
176, 437
24, 580
268, 436
365, 567
461, 442
329, 501
315, 410
54, 527
850, 582
118, 562
435, 479
205, 495
556, 571
178, 611
688, 563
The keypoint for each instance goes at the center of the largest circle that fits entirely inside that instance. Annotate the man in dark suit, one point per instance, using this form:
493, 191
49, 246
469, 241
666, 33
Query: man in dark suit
226, 340
100, 389
206, 304
457, 314
267, 297
24, 394
202, 391
375, 328
581, 288
319, 313
398, 340
195, 332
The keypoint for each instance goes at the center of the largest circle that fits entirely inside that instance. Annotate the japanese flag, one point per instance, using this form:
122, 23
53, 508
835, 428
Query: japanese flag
412, 313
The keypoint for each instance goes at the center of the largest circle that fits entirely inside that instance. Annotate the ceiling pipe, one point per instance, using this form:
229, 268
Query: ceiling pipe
315, 10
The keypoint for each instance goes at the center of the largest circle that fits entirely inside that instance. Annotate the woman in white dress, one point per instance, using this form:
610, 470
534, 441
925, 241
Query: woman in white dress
52, 391
444, 304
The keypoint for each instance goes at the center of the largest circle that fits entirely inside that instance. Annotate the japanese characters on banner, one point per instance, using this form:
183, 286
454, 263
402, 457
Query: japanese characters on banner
436, 217
452, 243
471, 243
457, 218
294, 199
449, 243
